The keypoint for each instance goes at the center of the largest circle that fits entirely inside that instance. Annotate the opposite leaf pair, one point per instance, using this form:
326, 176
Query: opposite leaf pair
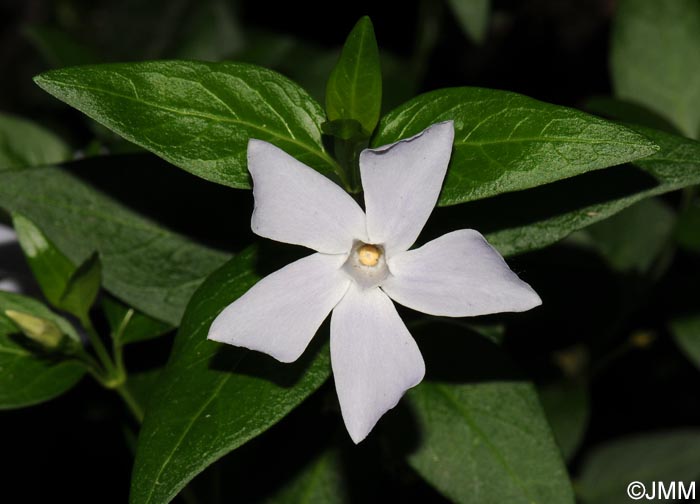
362, 263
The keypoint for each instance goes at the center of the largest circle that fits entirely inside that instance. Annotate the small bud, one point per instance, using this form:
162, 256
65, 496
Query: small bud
41, 331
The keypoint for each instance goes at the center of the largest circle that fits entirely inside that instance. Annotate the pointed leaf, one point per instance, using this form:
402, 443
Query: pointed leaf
482, 436
354, 88
80, 220
212, 398
506, 142
51, 269
82, 288
548, 214
198, 116
25, 377
654, 58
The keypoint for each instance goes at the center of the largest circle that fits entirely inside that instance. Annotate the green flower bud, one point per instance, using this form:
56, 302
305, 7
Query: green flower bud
42, 331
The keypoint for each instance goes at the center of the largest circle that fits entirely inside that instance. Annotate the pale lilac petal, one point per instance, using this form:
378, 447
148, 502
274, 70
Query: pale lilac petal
296, 204
375, 359
402, 182
457, 275
281, 313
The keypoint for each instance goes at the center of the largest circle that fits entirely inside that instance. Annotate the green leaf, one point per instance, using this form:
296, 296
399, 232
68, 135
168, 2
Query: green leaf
213, 398
128, 325
686, 332
473, 17
50, 267
80, 220
354, 88
548, 214
82, 288
481, 434
25, 377
654, 58
23, 144
198, 116
567, 406
688, 228
506, 142
319, 482
663, 456
631, 240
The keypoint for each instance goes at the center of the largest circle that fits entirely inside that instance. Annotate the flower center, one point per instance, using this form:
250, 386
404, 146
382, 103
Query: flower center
366, 264
368, 255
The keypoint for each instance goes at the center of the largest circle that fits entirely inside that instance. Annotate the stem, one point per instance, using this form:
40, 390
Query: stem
134, 407
100, 349
348, 154
117, 342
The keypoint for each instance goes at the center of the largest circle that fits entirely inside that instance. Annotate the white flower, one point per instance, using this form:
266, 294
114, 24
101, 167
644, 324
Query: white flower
362, 264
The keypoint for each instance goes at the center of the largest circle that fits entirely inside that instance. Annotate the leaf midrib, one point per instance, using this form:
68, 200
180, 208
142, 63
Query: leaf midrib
455, 404
202, 115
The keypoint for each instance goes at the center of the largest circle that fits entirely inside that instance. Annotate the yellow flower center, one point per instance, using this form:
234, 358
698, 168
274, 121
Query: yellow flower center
369, 255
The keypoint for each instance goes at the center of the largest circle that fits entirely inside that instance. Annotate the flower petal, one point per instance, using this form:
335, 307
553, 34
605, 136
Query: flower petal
402, 183
375, 359
296, 204
457, 275
281, 313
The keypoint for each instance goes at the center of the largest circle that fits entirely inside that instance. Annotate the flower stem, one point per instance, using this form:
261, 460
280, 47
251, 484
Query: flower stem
98, 346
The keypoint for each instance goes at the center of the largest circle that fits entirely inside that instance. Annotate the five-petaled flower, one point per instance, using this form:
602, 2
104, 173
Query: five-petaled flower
362, 263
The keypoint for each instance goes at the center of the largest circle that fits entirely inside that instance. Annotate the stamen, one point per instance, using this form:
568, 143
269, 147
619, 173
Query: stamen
369, 255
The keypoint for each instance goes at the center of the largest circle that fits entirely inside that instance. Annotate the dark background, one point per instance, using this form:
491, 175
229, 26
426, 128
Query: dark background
73, 449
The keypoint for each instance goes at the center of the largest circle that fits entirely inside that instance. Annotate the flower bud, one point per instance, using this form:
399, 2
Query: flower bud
42, 331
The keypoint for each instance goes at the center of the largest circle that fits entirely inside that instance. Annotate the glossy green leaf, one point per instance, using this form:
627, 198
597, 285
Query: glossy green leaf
319, 482
354, 88
82, 288
80, 220
473, 16
548, 214
212, 397
481, 434
506, 142
567, 406
654, 58
686, 332
128, 325
25, 377
23, 144
661, 456
198, 116
632, 239
50, 267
